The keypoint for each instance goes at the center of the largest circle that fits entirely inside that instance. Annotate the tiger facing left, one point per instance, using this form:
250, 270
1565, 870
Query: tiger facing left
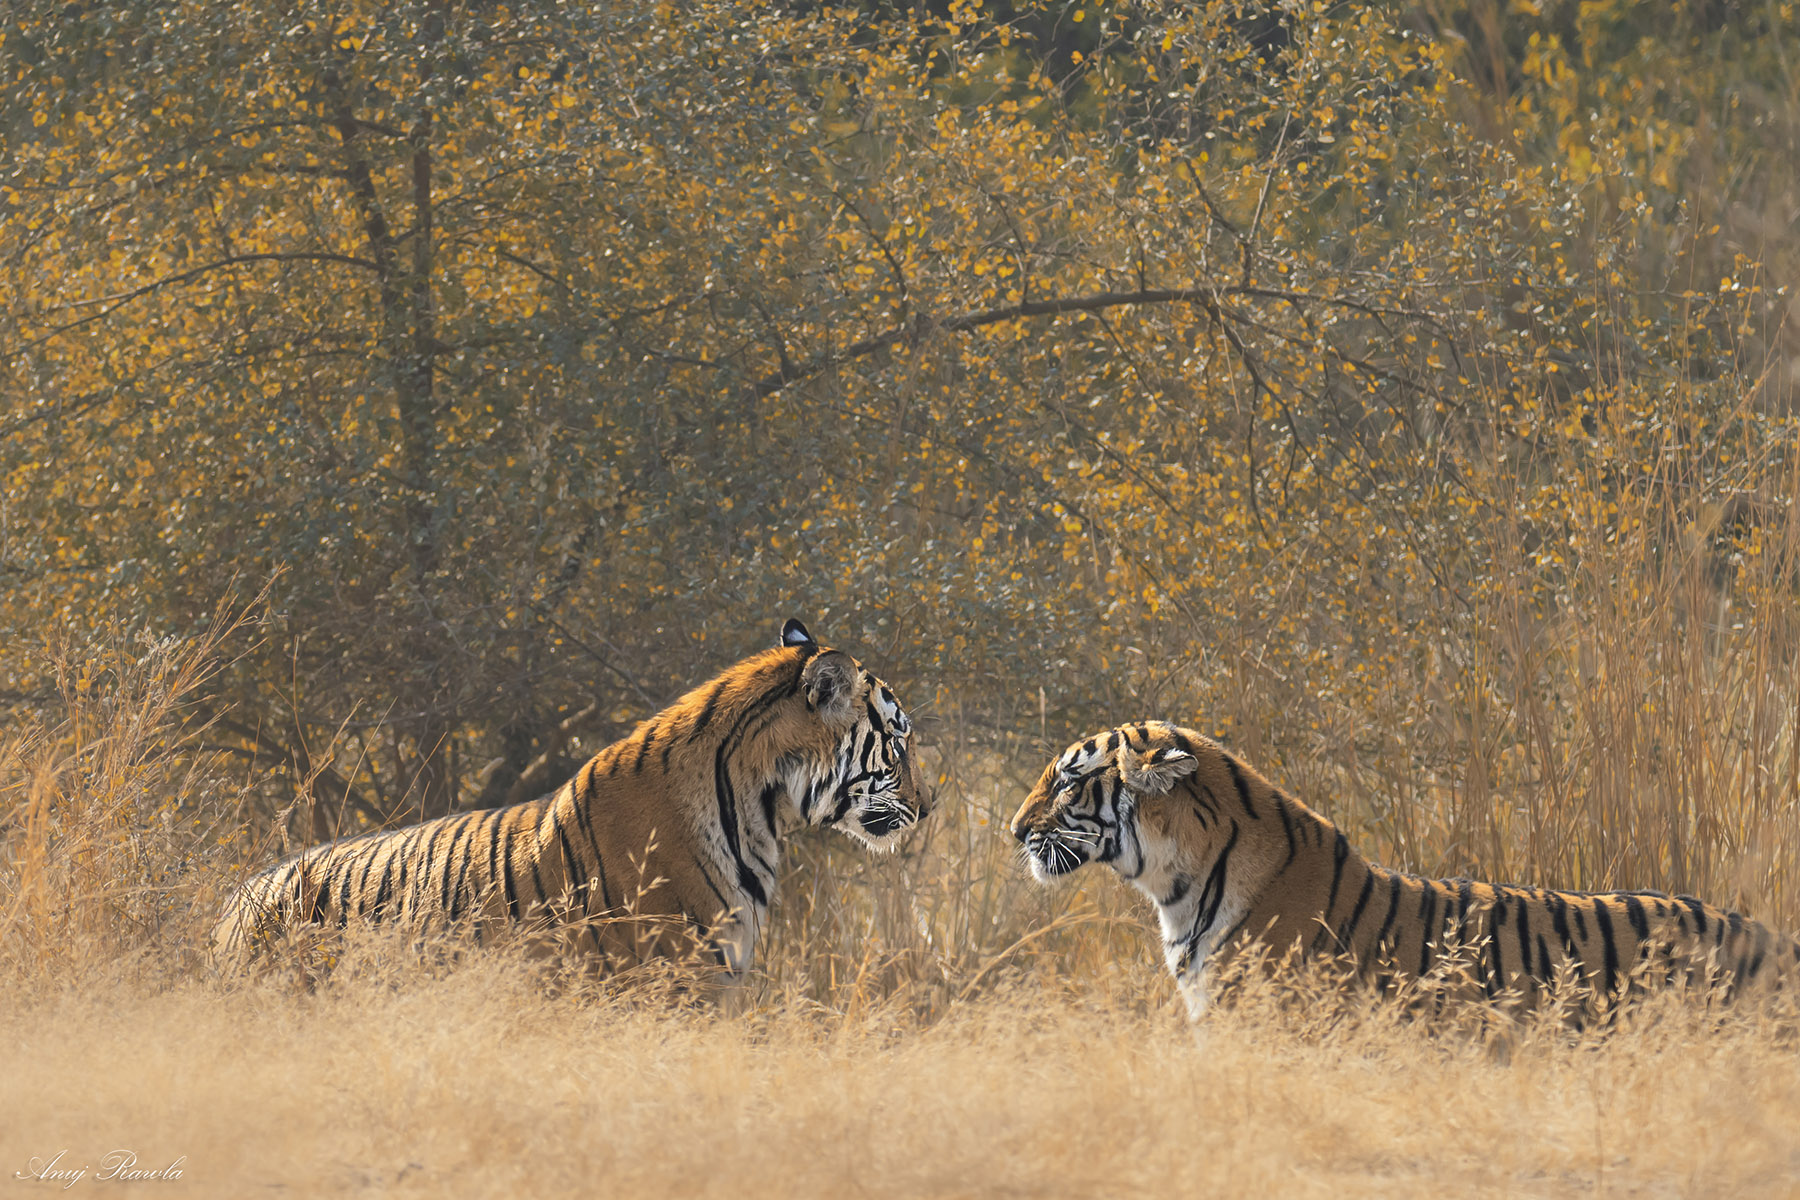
1232, 861
667, 840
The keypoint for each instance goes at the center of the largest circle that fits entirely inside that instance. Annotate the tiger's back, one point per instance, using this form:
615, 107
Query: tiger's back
483, 872
1519, 945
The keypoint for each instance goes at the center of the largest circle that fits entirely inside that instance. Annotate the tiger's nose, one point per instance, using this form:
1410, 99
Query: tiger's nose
1019, 831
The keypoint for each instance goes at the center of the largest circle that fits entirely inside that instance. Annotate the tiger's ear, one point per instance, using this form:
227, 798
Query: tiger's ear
1154, 773
794, 634
830, 684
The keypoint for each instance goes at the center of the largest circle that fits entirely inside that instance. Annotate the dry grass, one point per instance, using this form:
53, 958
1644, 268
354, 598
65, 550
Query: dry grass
476, 1083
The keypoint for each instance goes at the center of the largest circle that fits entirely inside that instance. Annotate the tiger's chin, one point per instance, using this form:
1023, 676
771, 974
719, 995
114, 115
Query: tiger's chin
879, 832
1057, 866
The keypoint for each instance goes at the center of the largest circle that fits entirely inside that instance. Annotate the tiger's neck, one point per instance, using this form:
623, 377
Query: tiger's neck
1238, 861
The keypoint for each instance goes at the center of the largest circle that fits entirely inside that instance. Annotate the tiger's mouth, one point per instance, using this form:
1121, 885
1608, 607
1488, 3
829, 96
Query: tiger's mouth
1054, 853
884, 823
878, 824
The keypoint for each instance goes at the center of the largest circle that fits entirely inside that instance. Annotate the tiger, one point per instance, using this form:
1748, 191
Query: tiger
663, 845
1232, 861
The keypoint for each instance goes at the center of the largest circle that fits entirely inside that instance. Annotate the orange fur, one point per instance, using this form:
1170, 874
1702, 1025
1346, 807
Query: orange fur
1231, 860
665, 841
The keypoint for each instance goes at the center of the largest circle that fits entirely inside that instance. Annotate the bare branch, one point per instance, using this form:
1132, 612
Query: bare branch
794, 372
111, 304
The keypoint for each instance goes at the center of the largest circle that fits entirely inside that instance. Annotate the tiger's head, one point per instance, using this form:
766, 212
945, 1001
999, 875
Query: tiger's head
1101, 800
868, 784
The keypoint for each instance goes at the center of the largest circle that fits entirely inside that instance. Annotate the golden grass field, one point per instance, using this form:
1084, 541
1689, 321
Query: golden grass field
477, 1084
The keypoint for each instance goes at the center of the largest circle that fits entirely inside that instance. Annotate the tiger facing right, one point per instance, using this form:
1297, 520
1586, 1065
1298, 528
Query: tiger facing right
666, 841
1232, 861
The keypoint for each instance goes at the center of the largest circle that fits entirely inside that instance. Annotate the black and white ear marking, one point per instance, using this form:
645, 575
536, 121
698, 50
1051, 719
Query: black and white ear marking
830, 683
1154, 773
794, 634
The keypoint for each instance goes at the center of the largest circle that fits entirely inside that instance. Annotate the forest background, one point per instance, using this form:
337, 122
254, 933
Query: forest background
1402, 393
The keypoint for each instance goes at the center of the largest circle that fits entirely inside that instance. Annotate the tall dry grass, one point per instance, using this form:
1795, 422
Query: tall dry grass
1619, 708
931, 1023
478, 1084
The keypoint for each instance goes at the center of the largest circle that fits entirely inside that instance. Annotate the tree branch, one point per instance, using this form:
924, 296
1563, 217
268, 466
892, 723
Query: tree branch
794, 372
111, 304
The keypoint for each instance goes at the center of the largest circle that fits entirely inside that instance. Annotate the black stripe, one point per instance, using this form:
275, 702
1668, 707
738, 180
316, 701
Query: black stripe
1634, 912
1523, 925
637, 764
845, 800
537, 880
376, 911
362, 883
1212, 894
1225, 938
725, 906
1357, 912
1545, 971
343, 888
457, 834
493, 879
582, 819
430, 851
1492, 975
1243, 787
1339, 853
770, 793
1176, 892
1610, 948
321, 898
726, 794
1380, 953
1427, 914
1287, 827
455, 903
1761, 949
1387, 924
509, 888
809, 804
708, 708
575, 875
1698, 909
1559, 920
1349, 930
404, 854
701, 932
